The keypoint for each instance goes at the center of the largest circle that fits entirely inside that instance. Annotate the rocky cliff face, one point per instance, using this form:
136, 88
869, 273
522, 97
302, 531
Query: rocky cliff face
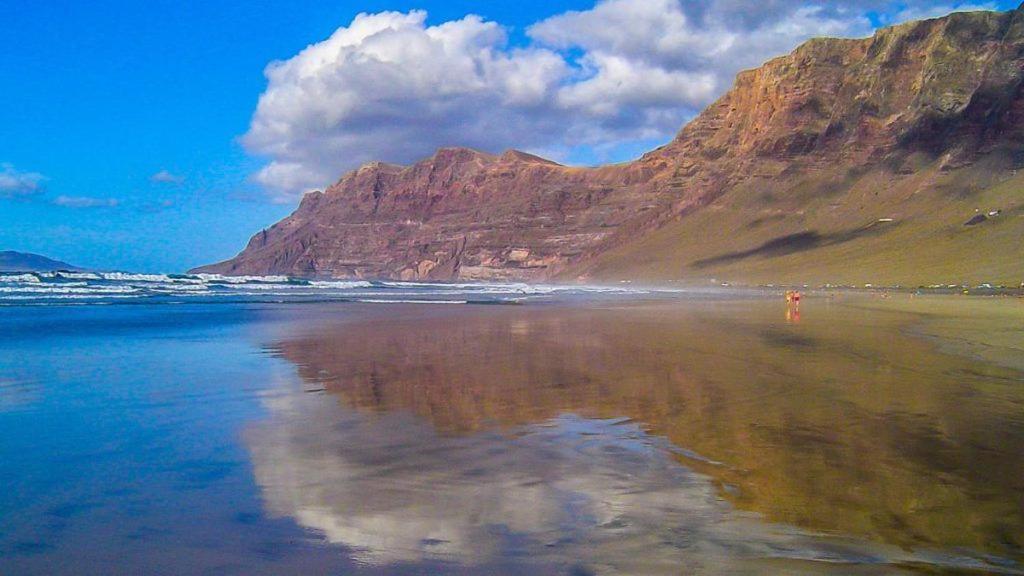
941, 94
458, 214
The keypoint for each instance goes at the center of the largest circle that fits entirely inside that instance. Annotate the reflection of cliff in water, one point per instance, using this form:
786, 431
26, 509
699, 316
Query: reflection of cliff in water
572, 496
838, 424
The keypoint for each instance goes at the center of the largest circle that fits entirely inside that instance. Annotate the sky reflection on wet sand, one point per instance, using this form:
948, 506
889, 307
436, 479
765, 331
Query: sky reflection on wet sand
658, 438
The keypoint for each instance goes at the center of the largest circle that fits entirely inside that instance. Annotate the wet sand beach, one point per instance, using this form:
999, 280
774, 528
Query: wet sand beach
638, 436
990, 329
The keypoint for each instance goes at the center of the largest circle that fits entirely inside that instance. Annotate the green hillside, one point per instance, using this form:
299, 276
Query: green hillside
833, 228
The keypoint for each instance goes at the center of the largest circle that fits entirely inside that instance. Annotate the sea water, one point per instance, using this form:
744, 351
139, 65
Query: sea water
67, 288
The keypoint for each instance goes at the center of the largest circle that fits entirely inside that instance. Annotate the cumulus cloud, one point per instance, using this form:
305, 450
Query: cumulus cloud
165, 177
650, 64
16, 184
391, 87
85, 202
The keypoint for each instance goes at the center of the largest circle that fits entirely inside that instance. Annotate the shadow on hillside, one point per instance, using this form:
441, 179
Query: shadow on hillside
791, 244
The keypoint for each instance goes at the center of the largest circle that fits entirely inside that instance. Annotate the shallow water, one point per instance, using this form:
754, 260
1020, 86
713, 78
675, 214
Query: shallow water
697, 436
107, 288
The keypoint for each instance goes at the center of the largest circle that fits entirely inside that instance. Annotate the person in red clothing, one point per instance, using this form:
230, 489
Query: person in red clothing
793, 297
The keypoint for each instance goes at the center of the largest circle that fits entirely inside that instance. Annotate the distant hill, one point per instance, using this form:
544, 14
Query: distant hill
24, 262
895, 159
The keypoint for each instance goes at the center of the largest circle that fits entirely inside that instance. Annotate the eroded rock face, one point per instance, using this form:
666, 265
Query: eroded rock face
458, 214
949, 88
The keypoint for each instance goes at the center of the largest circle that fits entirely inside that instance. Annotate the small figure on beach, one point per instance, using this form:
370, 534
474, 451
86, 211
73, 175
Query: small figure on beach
793, 306
793, 298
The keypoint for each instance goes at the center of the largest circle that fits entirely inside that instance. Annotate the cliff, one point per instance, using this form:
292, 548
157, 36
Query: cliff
847, 160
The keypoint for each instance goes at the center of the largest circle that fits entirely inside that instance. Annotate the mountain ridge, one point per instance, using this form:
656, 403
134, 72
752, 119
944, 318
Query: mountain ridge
910, 110
11, 261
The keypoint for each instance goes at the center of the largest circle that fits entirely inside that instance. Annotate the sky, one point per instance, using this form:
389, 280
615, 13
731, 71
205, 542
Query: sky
157, 136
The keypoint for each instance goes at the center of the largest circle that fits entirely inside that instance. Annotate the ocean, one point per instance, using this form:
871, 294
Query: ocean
70, 288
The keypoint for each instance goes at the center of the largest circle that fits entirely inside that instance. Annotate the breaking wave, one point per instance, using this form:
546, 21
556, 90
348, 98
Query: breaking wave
43, 288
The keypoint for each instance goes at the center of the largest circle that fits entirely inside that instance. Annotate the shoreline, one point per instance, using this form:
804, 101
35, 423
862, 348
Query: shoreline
987, 329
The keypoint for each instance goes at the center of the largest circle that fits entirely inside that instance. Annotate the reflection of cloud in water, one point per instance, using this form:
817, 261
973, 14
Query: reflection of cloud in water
842, 425
393, 490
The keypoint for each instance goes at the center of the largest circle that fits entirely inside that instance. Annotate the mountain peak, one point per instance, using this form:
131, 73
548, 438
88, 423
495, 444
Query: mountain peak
520, 156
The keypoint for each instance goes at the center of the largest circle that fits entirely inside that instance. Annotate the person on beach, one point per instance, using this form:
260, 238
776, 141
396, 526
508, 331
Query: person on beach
793, 298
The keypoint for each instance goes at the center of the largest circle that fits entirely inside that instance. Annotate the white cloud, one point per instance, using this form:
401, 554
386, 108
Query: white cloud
651, 64
392, 490
15, 184
165, 177
85, 202
391, 87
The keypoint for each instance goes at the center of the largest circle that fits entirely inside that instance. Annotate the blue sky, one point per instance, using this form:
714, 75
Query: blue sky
132, 135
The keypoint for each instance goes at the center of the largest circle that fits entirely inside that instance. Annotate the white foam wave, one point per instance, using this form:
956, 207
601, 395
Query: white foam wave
243, 279
20, 278
126, 277
72, 275
216, 287
178, 288
64, 297
59, 289
341, 284
257, 286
